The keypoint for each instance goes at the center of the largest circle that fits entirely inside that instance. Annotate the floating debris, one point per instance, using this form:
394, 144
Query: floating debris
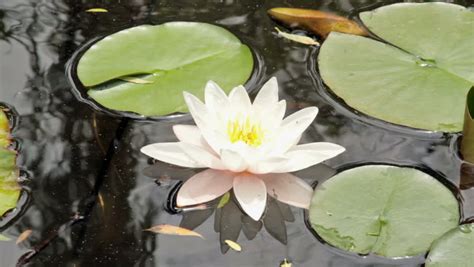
297, 38
97, 10
233, 245
172, 230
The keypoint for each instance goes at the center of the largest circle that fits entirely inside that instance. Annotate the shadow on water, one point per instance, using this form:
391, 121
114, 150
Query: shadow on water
91, 199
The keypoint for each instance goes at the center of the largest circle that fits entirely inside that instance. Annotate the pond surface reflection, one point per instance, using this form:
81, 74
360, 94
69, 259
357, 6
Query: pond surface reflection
90, 196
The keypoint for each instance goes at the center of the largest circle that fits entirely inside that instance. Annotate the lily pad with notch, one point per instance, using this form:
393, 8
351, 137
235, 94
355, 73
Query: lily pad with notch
418, 76
385, 210
167, 59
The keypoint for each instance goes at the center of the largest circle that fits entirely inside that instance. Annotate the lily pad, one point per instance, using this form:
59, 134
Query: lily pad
172, 58
386, 210
9, 188
455, 248
419, 77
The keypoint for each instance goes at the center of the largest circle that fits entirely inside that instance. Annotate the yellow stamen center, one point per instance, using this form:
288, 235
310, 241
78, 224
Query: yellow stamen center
245, 131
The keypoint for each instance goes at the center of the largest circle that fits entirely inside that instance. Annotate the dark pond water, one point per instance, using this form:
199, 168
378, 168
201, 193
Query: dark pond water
91, 194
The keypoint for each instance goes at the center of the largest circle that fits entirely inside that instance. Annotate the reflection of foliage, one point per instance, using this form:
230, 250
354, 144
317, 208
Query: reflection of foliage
230, 220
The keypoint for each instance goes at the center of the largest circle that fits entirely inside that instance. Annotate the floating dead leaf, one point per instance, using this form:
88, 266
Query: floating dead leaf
297, 38
318, 22
224, 200
285, 263
233, 245
134, 80
97, 10
23, 236
4, 238
168, 229
467, 144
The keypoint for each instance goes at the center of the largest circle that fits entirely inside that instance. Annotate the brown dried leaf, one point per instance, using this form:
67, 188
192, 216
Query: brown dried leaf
318, 22
297, 38
172, 230
233, 245
23, 236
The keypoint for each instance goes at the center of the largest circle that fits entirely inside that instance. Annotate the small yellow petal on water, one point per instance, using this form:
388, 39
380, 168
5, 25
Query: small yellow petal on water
233, 245
23, 236
172, 230
285, 263
297, 38
97, 10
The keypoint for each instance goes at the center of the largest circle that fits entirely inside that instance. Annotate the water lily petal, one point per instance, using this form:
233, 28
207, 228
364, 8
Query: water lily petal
304, 156
204, 186
240, 100
170, 153
267, 165
292, 127
216, 99
271, 123
267, 97
233, 161
188, 134
289, 189
202, 155
251, 194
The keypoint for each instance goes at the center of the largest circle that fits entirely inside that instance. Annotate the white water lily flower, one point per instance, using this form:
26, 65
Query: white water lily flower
244, 141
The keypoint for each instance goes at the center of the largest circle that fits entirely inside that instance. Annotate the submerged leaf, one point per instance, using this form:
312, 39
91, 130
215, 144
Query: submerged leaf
23, 236
233, 245
419, 77
455, 248
4, 238
172, 230
134, 80
318, 22
174, 56
386, 210
97, 10
297, 38
467, 144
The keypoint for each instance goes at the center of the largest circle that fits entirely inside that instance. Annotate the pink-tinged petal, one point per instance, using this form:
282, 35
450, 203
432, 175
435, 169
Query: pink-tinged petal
288, 189
204, 186
251, 194
240, 100
267, 165
304, 156
171, 153
233, 161
202, 155
267, 97
216, 99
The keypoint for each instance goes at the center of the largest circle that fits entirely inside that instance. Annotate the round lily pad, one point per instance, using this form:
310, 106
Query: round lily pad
455, 248
418, 77
145, 69
9, 188
386, 210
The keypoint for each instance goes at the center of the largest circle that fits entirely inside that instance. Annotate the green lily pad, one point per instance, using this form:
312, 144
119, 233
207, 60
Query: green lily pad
455, 248
169, 59
9, 188
418, 78
386, 210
